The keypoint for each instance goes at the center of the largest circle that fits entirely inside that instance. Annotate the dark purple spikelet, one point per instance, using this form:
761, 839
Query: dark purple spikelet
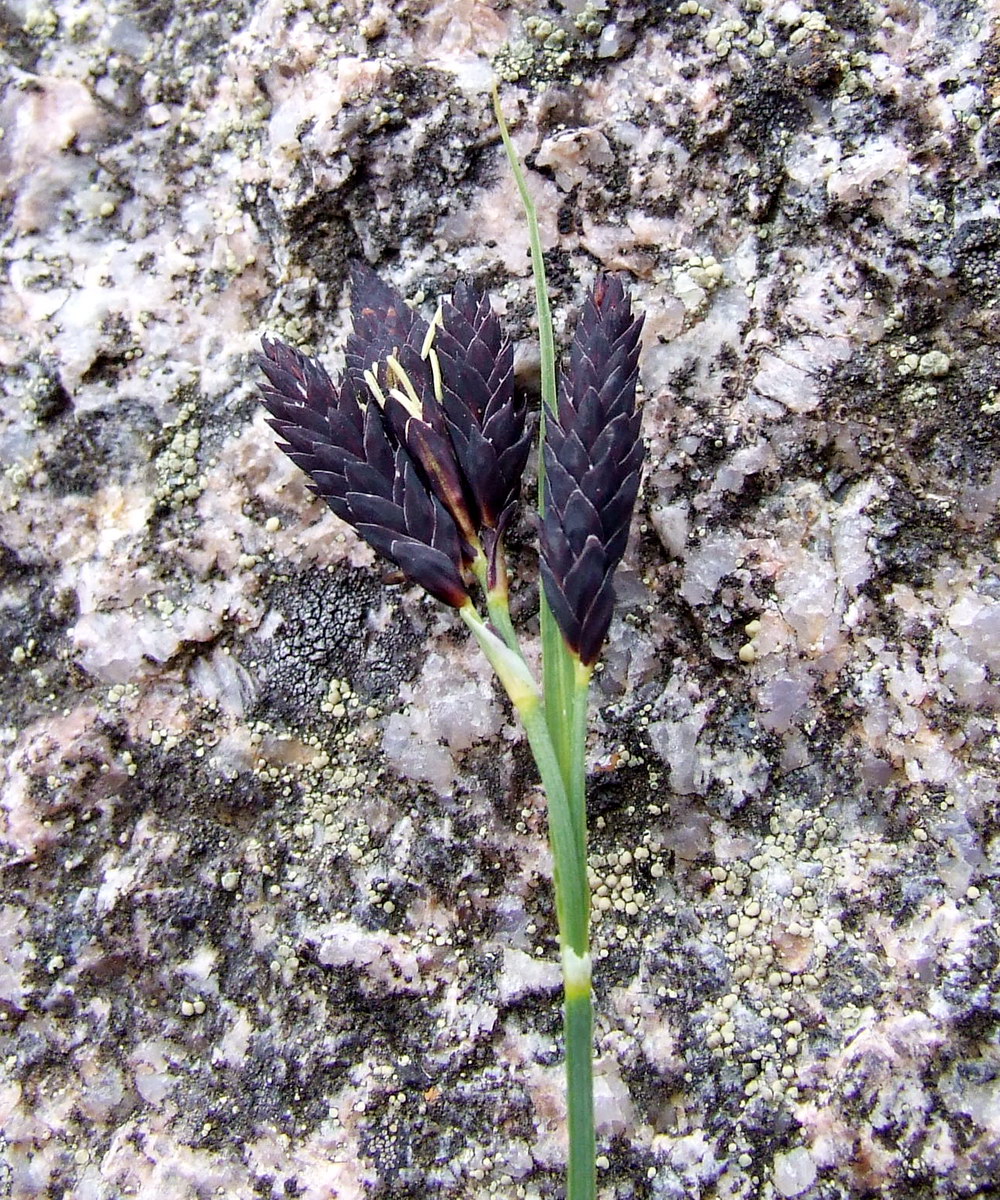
422, 445
593, 457
384, 326
383, 321
342, 441
486, 420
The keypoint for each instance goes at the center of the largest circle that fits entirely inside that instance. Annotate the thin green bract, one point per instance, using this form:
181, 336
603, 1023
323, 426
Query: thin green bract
565, 688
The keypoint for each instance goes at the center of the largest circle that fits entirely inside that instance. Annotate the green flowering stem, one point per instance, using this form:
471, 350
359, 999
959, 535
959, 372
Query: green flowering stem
499, 610
578, 1029
576, 739
578, 1017
565, 688
572, 903
572, 888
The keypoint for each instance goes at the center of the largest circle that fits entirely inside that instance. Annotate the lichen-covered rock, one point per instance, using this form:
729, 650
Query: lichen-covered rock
276, 915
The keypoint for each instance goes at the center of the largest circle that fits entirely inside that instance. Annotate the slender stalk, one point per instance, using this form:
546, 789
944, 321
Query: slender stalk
578, 1016
576, 763
498, 602
499, 611
572, 907
579, 1033
572, 889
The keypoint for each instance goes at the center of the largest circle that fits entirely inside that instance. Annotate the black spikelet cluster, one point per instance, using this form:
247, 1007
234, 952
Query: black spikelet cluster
488, 423
593, 456
355, 465
422, 443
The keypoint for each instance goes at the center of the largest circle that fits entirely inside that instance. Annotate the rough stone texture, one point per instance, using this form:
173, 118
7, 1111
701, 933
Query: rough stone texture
275, 912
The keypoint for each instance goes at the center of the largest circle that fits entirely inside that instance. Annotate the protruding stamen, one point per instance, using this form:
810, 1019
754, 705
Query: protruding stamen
432, 358
411, 401
436, 320
428, 352
375, 388
404, 399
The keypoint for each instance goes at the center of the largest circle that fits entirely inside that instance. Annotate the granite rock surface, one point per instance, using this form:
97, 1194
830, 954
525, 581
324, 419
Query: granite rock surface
275, 907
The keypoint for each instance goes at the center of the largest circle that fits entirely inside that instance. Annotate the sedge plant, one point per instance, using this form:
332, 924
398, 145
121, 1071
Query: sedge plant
420, 446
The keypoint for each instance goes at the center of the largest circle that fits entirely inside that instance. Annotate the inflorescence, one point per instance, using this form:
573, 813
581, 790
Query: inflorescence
421, 445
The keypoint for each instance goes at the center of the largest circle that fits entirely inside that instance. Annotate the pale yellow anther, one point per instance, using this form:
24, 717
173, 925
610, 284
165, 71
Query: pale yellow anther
374, 388
406, 401
435, 362
436, 320
411, 401
428, 352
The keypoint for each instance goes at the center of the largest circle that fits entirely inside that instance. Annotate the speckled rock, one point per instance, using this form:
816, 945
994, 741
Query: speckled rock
276, 915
